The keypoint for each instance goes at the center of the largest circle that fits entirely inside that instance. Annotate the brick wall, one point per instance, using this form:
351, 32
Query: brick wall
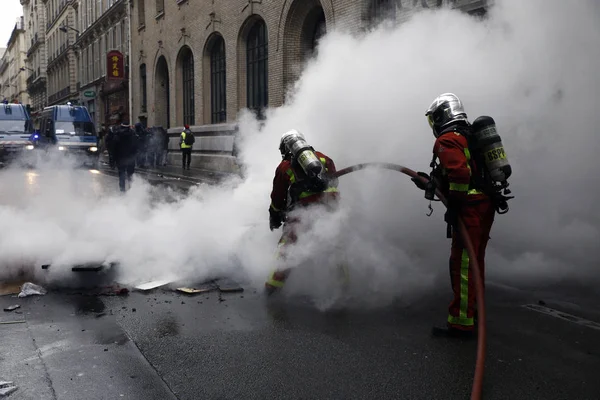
194, 23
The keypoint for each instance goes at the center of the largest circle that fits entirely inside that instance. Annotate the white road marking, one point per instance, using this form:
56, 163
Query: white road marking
563, 315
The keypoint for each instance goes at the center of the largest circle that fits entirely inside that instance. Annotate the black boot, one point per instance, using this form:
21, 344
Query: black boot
447, 331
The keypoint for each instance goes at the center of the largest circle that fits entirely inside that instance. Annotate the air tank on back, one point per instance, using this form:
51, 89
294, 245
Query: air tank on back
304, 155
488, 143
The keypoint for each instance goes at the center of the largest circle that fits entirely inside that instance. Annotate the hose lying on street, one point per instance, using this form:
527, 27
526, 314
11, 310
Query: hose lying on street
481, 337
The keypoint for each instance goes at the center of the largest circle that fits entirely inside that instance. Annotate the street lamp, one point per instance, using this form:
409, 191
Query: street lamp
65, 28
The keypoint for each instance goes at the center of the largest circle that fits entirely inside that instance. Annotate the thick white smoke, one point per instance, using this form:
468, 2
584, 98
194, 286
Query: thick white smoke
531, 65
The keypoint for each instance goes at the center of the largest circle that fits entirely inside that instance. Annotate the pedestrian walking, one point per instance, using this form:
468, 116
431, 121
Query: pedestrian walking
125, 152
186, 142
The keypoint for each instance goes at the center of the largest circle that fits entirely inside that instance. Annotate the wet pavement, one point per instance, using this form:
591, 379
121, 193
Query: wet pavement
162, 344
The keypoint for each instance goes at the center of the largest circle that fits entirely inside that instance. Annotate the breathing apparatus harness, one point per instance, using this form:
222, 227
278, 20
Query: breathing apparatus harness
493, 169
309, 172
308, 169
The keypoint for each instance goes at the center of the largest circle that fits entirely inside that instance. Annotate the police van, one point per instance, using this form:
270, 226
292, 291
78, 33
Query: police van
16, 132
69, 130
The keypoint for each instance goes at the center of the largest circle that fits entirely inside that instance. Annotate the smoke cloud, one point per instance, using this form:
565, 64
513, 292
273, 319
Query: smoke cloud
531, 65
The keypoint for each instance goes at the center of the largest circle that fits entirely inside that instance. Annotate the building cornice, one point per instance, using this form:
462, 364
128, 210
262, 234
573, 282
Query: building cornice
63, 10
13, 36
63, 55
39, 40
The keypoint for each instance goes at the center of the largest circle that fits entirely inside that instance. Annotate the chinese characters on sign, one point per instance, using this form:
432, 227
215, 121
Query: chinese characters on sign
114, 66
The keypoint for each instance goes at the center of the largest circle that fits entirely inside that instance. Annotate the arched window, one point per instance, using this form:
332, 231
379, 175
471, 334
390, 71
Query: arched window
141, 13
257, 68
187, 74
319, 31
218, 99
381, 9
162, 93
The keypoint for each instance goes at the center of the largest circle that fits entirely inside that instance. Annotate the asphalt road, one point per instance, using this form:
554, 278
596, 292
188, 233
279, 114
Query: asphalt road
164, 345
36, 181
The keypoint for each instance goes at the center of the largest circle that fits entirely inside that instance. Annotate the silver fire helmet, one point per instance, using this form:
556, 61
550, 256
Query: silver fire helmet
286, 140
445, 110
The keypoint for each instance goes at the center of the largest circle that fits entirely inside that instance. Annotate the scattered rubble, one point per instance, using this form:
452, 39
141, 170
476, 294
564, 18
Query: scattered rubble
7, 388
31, 289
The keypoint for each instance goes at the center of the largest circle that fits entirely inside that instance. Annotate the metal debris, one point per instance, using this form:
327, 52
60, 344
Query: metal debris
7, 388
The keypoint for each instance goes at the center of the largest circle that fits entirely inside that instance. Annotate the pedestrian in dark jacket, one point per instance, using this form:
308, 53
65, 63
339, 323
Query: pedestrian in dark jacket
109, 143
125, 151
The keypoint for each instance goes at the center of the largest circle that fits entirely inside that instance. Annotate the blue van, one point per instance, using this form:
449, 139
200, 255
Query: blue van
70, 130
17, 136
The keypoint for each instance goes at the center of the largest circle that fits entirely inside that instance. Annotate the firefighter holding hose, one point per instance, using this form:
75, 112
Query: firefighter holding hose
302, 179
461, 179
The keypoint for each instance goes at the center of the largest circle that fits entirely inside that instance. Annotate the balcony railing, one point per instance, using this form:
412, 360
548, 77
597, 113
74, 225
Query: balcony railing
34, 39
60, 94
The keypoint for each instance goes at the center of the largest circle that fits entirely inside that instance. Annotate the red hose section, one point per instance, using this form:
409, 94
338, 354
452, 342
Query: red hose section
481, 337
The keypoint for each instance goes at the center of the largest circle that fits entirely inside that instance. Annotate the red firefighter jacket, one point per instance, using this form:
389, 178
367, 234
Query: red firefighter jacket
286, 175
452, 149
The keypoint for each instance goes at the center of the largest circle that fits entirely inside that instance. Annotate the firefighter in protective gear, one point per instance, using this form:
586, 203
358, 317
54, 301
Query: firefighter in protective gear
294, 190
457, 178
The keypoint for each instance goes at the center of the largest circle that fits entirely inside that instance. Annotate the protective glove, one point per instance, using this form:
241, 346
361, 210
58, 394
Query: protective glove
420, 184
275, 219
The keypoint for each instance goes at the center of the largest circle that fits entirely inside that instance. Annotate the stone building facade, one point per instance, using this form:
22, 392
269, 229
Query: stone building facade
103, 27
201, 62
61, 34
34, 13
13, 72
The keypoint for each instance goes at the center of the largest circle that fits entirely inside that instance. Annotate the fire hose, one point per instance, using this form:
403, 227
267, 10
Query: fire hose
481, 337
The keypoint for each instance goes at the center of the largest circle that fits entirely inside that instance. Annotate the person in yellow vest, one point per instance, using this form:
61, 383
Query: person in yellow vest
186, 142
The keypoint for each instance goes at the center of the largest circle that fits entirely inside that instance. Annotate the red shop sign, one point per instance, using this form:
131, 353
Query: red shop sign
114, 65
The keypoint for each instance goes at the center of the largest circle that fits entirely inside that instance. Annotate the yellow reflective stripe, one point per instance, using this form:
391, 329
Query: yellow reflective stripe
468, 156
274, 208
474, 191
290, 173
459, 187
462, 318
464, 283
460, 321
324, 161
328, 190
467, 153
273, 282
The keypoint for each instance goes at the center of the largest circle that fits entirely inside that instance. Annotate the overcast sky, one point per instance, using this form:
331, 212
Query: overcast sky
11, 10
